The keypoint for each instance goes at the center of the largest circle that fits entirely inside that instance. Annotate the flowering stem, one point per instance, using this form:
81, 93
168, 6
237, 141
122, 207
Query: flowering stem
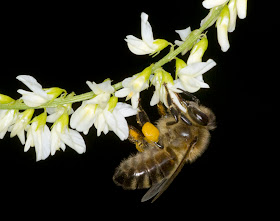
192, 38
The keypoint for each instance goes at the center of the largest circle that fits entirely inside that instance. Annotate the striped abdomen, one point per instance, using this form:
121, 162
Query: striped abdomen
145, 169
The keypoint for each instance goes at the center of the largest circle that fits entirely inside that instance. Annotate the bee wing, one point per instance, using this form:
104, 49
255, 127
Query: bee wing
159, 188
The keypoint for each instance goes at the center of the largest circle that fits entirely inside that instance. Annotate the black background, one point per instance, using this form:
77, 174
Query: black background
76, 42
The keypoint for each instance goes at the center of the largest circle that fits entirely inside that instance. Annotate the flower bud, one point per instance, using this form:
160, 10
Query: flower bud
222, 28
112, 103
54, 92
142, 79
4, 99
180, 64
41, 119
198, 51
241, 8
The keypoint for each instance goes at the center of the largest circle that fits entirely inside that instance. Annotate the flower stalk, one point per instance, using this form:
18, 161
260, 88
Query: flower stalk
191, 39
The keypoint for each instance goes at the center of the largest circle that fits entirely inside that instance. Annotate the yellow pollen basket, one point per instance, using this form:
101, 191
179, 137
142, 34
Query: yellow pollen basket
150, 132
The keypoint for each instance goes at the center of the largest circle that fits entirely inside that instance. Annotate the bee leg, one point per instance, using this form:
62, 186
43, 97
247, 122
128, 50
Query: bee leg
136, 137
172, 108
141, 116
149, 132
161, 109
175, 114
194, 98
185, 119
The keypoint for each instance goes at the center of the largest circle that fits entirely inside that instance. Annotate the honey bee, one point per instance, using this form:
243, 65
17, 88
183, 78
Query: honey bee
176, 139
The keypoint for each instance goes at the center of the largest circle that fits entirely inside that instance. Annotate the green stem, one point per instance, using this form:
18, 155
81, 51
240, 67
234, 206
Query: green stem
192, 38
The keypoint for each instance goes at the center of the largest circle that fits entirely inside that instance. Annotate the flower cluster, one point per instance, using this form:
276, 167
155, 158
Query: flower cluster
101, 107
188, 75
103, 111
226, 22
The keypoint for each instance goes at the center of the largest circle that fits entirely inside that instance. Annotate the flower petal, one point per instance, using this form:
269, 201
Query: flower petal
196, 69
125, 109
83, 118
110, 120
146, 30
32, 99
138, 46
184, 33
74, 140
135, 100
33, 85
122, 92
241, 8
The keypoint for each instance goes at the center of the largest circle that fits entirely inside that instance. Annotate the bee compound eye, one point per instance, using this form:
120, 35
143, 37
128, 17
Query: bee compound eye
198, 116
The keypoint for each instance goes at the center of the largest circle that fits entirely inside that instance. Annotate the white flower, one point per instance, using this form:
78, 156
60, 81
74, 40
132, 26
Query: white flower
102, 92
21, 124
132, 86
119, 113
147, 45
39, 136
191, 78
114, 120
222, 29
38, 96
56, 112
236, 7
184, 33
198, 50
160, 78
83, 118
7, 119
241, 8
62, 135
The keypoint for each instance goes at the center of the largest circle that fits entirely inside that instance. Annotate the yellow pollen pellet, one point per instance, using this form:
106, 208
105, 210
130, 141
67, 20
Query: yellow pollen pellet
151, 132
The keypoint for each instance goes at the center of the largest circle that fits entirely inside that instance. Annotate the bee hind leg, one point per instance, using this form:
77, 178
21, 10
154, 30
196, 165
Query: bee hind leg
149, 132
161, 109
141, 116
136, 137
